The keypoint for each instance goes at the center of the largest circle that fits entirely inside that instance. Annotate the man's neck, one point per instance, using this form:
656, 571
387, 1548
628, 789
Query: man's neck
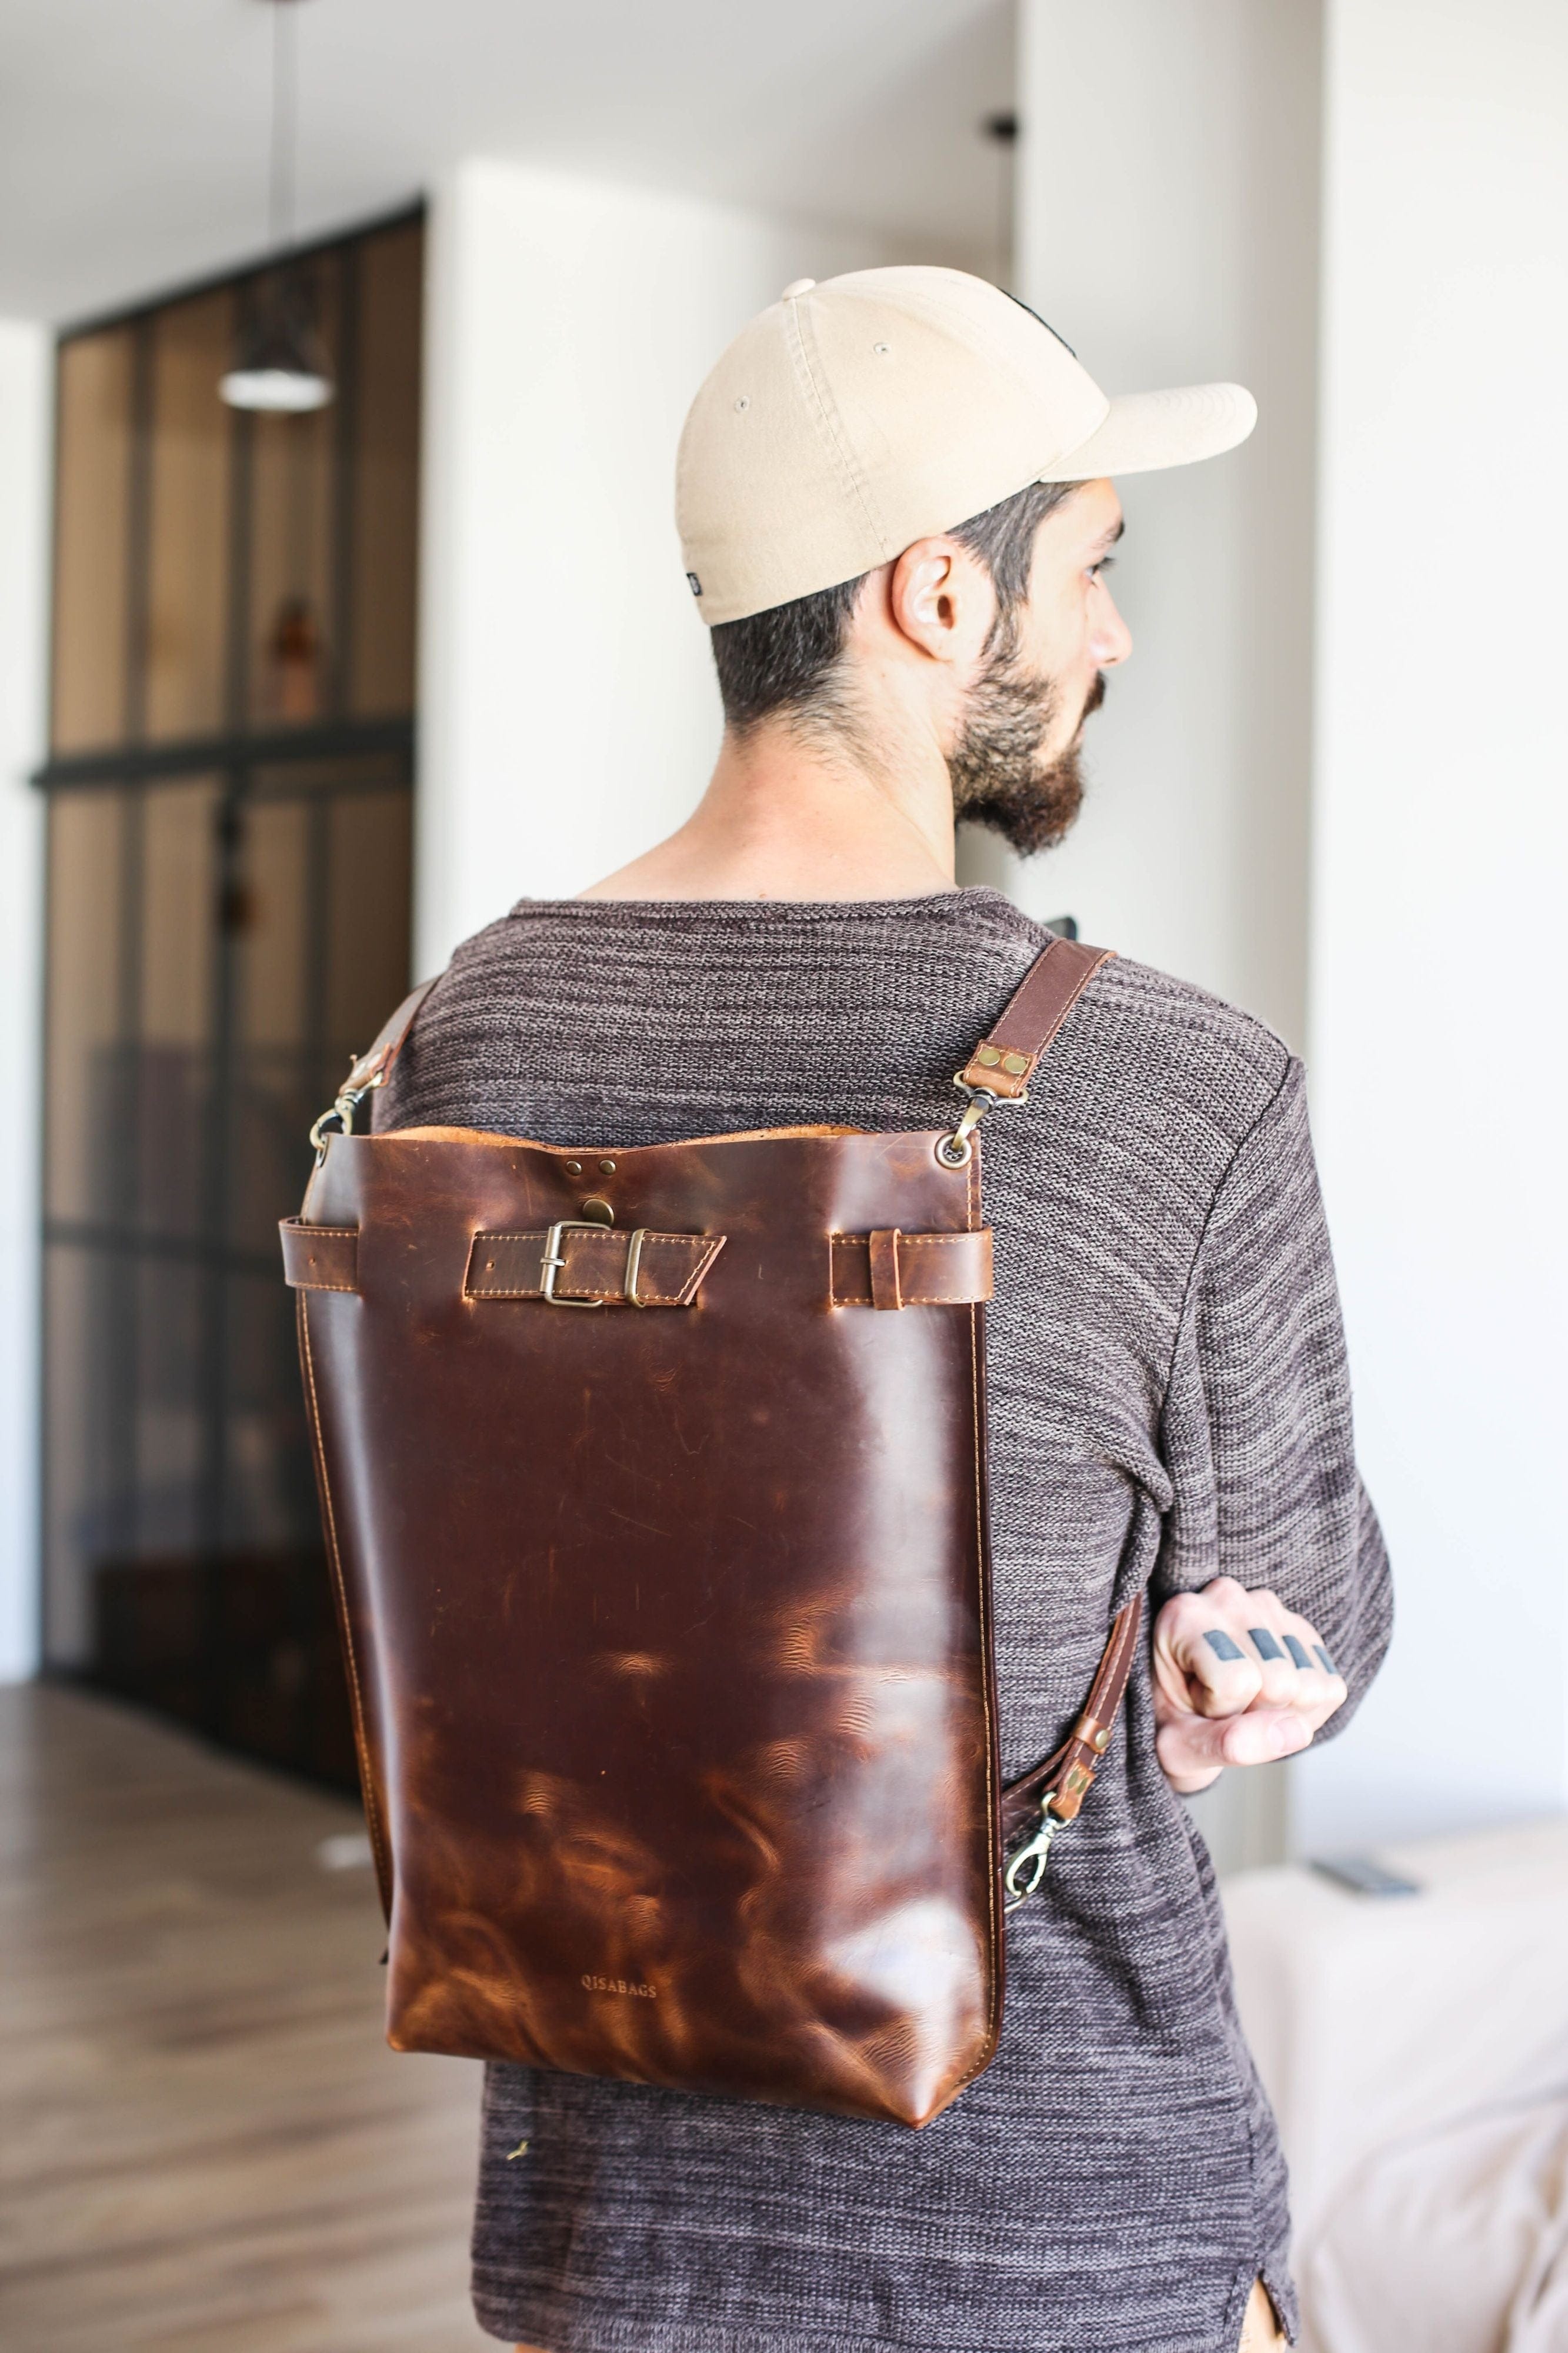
792, 813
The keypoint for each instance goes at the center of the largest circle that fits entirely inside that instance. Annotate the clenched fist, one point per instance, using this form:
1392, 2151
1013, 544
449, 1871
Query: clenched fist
1238, 1679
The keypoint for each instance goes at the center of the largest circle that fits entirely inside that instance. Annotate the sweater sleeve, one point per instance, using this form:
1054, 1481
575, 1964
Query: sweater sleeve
1257, 1424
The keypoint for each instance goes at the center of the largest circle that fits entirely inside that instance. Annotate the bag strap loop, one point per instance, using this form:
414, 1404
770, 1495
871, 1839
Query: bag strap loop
1051, 1793
1000, 1069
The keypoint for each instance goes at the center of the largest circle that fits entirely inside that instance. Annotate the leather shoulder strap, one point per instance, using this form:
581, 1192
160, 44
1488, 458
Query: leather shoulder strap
369, 1069
1004, 1063
1063, 1781
374, 1064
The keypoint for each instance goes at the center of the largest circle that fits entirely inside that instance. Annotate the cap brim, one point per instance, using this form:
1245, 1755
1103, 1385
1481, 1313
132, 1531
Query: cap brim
1146, 430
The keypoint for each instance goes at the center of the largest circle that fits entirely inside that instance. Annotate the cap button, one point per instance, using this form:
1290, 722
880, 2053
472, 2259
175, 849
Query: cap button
796, 285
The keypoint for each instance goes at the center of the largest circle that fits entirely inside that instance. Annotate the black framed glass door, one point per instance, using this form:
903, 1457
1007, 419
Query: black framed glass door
230, 797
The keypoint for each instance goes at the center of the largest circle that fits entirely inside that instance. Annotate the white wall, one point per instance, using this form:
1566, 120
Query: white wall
1441, 884
569, 715
1167, 226
25, 378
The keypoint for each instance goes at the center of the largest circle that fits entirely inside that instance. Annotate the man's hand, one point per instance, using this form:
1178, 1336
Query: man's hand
1238, 1679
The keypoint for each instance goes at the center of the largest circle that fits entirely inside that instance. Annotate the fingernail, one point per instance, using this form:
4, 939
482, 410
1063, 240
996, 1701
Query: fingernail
1298, 1650
1324, 1661
1223, 1647
1263, 1643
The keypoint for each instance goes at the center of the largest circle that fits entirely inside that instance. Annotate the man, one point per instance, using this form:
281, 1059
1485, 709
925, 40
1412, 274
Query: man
898, 514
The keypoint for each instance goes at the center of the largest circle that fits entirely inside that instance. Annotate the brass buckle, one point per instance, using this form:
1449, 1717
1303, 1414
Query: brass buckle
552, 1261
1037, 1854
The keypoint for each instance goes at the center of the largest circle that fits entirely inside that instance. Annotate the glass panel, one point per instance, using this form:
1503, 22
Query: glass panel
269, 1500
369, 872
83, 1459
171, 1389
322, 960
292, 659
278, 1678
187, 591
88, 850
124, 1461
385, 499
278, 1085
171, 1058
141, 1555
92, 510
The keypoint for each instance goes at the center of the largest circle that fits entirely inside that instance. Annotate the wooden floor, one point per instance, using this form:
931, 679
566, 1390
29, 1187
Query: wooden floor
206, 2143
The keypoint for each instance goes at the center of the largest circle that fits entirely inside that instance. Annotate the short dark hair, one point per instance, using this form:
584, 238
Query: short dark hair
784, 660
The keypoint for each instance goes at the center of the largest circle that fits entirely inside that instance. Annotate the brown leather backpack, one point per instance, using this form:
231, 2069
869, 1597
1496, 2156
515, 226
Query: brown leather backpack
654, 1488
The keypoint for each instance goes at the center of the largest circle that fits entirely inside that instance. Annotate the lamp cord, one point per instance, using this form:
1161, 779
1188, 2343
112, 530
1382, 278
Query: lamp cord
285, 94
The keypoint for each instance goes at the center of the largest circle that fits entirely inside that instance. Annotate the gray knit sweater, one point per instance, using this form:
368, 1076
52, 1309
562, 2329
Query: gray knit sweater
1168, 1403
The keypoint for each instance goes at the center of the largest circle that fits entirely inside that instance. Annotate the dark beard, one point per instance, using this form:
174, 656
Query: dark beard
998, 780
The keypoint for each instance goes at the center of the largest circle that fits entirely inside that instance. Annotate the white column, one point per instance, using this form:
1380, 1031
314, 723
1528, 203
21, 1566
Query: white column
568, 711
1167, 227
26, 375
1441, 885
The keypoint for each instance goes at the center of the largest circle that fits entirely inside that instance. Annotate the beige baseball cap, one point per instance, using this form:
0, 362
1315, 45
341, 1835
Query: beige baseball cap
854, 418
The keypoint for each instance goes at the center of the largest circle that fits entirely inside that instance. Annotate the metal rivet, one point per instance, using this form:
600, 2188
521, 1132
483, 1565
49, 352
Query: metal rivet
606, 1168
1102, 1740
1014, 1064
574, 1169
989, 1056
598, 1211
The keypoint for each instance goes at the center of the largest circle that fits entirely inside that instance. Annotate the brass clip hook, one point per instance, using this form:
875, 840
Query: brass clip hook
954, 1151
1037, 1855
350, 1098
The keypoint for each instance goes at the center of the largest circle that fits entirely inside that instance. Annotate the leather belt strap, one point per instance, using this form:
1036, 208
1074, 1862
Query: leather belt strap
319, 1258
1065, 1777
888, 1269
638, 1269
644, 1268
1003, 1063
615, 1269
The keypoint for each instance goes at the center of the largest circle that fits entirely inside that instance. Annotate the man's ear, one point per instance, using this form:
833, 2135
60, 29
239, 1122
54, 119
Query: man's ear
942, 600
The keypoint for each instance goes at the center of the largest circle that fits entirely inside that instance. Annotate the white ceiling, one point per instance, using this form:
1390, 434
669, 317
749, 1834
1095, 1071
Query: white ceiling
133, 133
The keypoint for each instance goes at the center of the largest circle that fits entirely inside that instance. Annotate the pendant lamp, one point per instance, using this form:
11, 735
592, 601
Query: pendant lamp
282, 365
